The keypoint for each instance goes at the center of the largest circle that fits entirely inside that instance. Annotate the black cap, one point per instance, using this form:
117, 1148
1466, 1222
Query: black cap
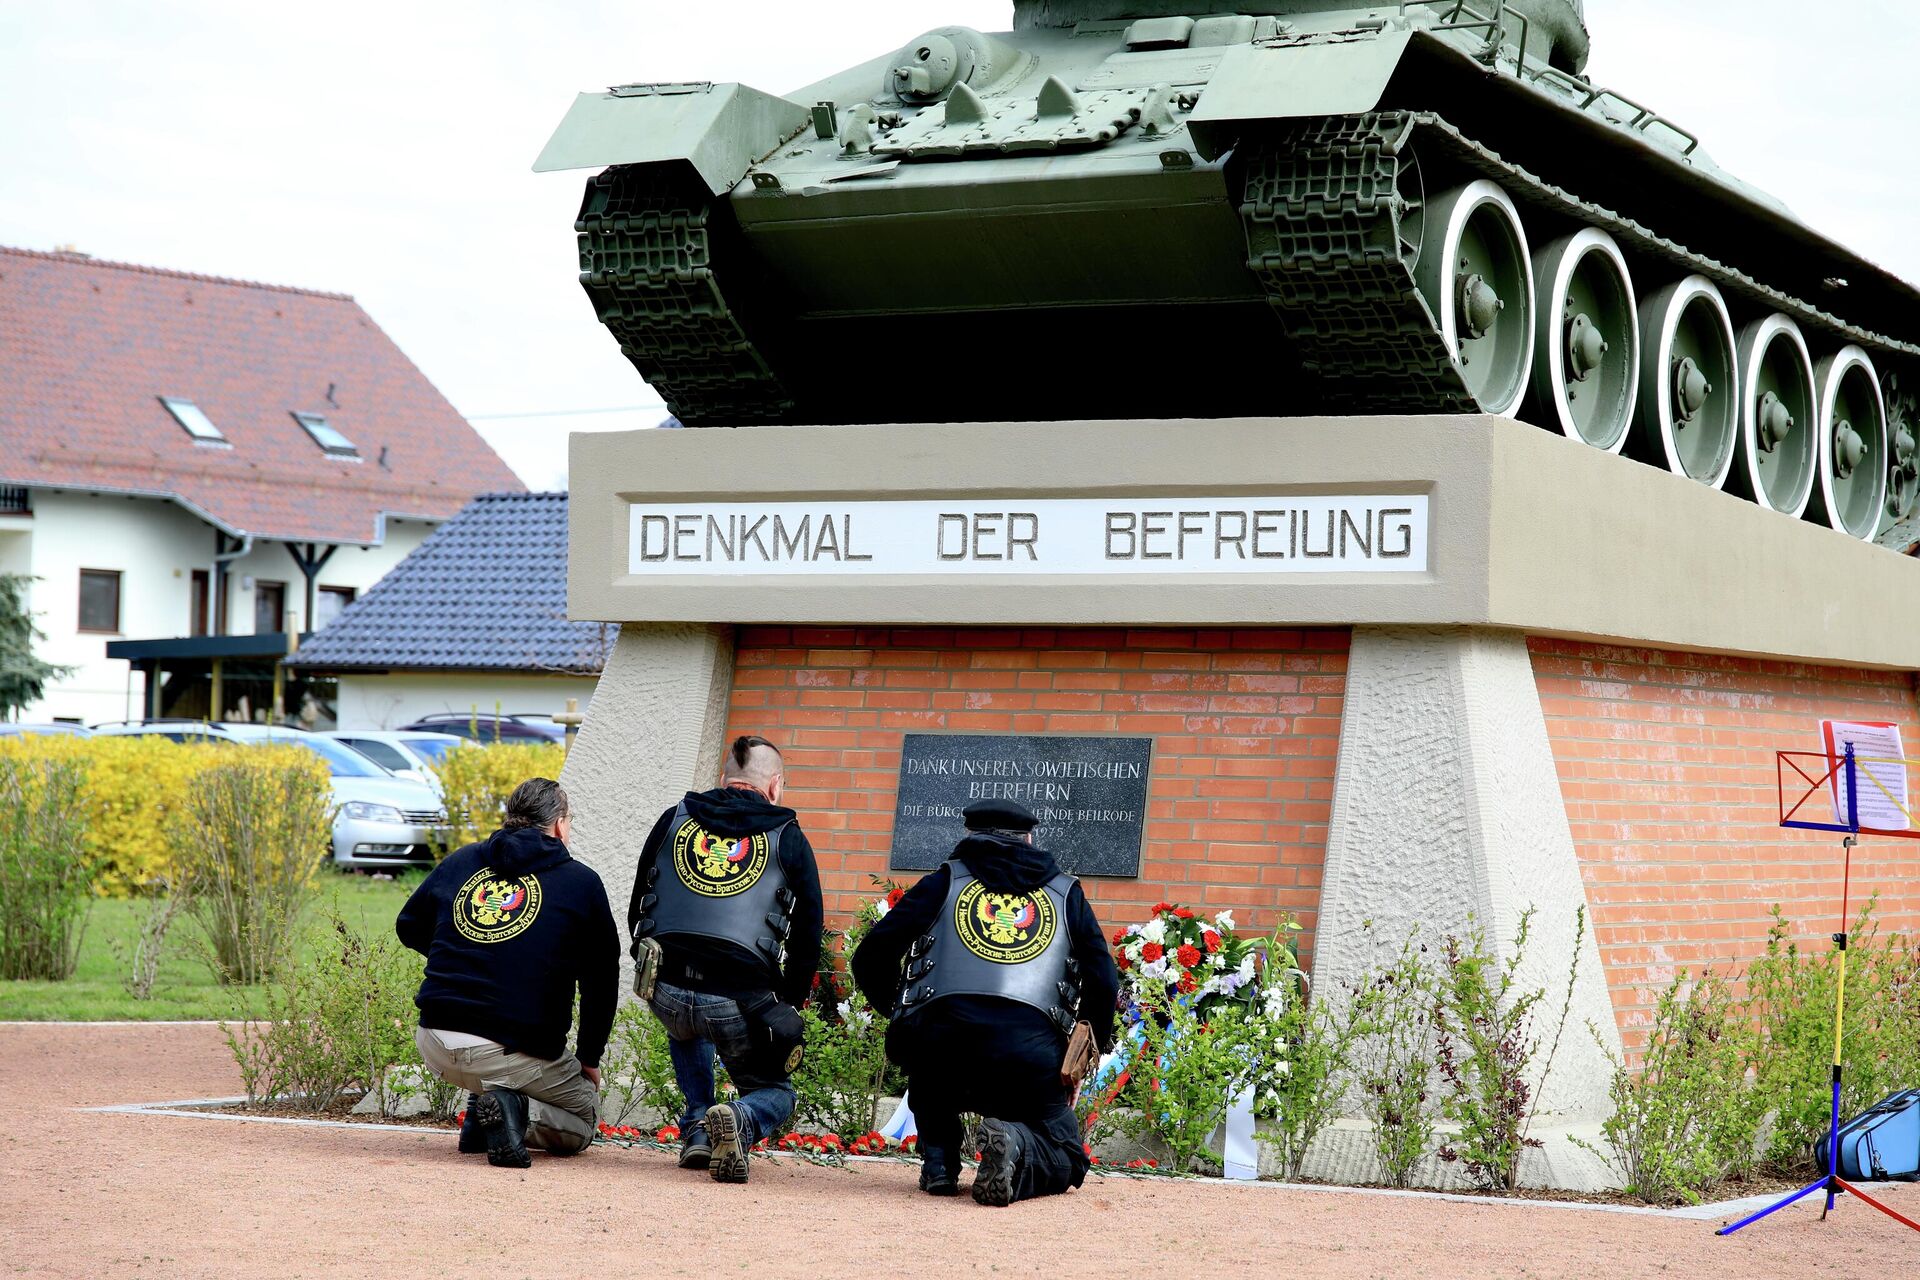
998, 815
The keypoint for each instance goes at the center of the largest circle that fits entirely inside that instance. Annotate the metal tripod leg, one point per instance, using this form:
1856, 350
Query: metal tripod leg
1777, 1205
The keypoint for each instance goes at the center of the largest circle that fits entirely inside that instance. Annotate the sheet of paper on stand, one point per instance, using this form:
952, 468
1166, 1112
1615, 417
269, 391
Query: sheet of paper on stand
1880, 768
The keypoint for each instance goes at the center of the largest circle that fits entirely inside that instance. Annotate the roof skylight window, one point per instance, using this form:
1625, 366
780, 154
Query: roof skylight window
324, 435
190, 417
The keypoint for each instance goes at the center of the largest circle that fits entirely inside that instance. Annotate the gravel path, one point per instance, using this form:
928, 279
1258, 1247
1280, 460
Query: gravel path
87, 1194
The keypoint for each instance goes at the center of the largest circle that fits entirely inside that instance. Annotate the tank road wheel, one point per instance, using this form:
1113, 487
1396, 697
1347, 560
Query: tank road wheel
1474, 271
1774, 458
1689, 401
1903, 448
1850, 445
1586, 343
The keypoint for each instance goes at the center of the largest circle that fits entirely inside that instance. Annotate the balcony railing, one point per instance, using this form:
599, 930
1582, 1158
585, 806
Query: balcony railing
14, 501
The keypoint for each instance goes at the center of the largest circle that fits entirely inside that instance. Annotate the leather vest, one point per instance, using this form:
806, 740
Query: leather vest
721, 888
1015, 946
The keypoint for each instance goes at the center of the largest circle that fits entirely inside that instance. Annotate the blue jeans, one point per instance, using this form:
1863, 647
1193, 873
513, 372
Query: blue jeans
697, 1026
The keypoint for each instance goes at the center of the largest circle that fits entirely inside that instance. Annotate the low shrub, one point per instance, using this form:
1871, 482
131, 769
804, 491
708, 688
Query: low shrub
46, 871
341, 1022
477, 779
844, 1072
1685, 1119
133, 789
1791, 991
247, 849
1395, 1060
1300, 1053
1491, 1061
142, 959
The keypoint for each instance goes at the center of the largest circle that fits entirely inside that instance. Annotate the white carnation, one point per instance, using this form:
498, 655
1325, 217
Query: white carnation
1246, 968
1154, 930
880, 909
1157, 969
1224, 921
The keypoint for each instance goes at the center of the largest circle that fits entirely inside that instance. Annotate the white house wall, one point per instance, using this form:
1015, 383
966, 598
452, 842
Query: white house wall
389, 701
156, 545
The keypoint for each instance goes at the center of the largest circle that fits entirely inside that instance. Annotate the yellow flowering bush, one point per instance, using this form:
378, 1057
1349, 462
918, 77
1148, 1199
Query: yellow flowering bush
478, 778
133, 787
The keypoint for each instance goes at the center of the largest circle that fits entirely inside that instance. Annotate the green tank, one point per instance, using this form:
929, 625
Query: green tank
1137, 208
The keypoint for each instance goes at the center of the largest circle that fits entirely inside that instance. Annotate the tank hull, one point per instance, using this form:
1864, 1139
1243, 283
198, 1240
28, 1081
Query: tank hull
1237, 215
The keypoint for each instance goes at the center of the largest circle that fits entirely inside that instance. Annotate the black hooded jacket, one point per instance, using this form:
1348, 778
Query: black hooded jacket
1004, 865
506, 950
721, 968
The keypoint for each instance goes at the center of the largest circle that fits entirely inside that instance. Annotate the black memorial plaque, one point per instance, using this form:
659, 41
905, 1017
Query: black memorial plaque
1089, 793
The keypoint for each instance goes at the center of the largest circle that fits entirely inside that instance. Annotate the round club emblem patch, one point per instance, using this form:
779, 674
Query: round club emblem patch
718, 866
1006, 928
493, 908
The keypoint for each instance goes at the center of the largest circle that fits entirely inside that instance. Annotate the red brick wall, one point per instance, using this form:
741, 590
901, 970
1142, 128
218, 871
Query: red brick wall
1666, 764
1246, 726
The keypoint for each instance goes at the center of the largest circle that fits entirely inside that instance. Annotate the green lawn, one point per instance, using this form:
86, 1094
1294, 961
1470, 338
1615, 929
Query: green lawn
186, 988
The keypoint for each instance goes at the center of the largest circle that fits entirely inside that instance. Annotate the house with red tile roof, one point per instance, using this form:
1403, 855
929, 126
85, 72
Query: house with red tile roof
197, 471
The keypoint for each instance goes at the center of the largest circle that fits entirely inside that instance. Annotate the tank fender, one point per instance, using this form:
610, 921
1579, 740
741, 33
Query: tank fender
719, 129
1256, 83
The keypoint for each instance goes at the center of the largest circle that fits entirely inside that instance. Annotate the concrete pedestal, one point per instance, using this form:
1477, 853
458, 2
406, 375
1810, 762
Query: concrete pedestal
1447, 813
653, 731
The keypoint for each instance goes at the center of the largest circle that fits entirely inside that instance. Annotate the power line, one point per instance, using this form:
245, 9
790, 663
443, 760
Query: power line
565, 413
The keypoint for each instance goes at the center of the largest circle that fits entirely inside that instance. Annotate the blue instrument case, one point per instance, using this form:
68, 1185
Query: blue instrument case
1882, 1143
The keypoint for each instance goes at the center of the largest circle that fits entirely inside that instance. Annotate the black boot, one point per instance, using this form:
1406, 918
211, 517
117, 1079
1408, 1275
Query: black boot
999, 1161
939, 1173
473, 1138
696, 1152
503, 1114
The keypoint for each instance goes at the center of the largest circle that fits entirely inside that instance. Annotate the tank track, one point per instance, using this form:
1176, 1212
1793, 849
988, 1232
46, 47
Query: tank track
646, 261
1324, 216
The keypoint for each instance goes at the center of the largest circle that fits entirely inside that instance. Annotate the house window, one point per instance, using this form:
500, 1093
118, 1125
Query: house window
324, 435
330, 603
100, 600
192, 419
269, 607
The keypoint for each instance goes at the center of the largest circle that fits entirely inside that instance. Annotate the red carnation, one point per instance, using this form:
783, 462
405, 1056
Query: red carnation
1212, 940
1160, 907
1152, 951
1125, 964
1187, 984
1119, 936
1188, 955
1185, 913
894, 896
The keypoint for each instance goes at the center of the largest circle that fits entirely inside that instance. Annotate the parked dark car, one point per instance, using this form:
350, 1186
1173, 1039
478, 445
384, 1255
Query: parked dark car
491, 728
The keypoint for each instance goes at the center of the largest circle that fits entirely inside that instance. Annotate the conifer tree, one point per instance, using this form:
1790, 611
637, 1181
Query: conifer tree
23, 676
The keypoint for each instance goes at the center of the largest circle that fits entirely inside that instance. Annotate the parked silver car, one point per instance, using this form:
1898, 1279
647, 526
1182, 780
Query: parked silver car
380, 821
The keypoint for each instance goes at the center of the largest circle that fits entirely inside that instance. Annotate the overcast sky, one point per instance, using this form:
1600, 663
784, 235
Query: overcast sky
384, 150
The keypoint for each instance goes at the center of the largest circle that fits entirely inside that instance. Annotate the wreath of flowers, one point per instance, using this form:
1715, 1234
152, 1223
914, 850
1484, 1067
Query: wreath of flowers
1179, 953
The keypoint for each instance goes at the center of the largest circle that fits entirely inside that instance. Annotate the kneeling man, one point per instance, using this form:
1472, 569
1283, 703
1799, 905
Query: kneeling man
510, 926
1002, 954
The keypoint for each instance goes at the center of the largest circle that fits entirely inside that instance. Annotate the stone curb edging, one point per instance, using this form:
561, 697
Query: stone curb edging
1726, 1209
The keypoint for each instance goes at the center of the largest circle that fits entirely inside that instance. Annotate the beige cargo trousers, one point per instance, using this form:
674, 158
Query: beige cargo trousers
563, 1107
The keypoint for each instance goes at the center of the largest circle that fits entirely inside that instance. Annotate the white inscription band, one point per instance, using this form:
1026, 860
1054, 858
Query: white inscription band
1263, 535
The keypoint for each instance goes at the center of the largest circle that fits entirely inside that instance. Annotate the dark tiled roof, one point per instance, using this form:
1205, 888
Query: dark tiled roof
486, 591
91, 347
